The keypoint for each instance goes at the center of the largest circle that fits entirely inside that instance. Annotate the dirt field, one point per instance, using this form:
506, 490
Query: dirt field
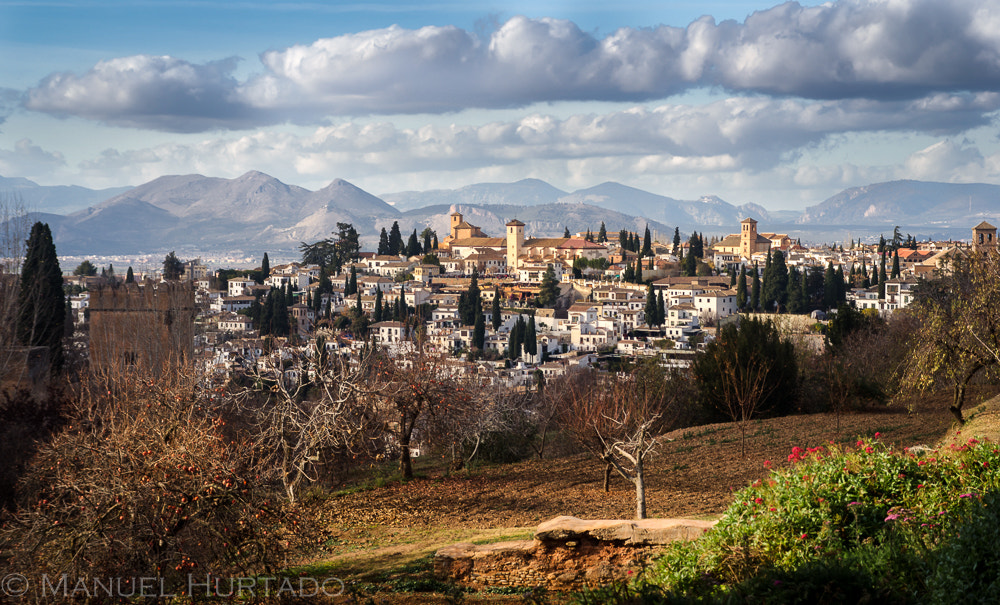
374, 531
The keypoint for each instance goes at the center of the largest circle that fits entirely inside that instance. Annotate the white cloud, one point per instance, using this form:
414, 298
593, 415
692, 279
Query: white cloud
29, 160
861, 49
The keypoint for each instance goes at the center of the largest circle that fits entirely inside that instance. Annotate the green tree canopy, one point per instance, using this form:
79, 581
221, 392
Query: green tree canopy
172, 267
41, 302
85, 269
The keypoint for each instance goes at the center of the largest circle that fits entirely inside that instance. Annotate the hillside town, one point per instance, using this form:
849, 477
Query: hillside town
515, 309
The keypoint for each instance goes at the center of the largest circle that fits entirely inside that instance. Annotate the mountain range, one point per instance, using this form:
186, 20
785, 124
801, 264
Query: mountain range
256, 212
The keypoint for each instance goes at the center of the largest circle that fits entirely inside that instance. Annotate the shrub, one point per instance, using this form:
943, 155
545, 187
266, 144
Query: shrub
852, 524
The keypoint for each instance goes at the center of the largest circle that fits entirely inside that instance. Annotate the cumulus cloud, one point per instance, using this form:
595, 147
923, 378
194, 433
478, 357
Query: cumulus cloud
29, 160
861, 49
162, 93
740, 134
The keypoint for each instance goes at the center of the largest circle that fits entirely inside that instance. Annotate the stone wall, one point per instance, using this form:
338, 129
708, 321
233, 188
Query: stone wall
566, 554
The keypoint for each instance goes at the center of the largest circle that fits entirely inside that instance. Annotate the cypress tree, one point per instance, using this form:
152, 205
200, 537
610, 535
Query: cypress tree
413, 245
661, 312
129, 276
647, 243
841, 285
352, 284
881, 277
479, 332
427, 241
496, 317
383, 243
638, 270
623, 239
677, 239
650, 309
435, 241
741, 289
531, 337
265, 266
378, 306
566, 232
895, 263
794, 291
629, 275
755, 290
691, 265
41, 304
602, 235
395, 239
830, 292
357, 304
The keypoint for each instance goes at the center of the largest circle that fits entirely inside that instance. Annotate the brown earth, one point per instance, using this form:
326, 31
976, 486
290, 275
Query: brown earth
693, 474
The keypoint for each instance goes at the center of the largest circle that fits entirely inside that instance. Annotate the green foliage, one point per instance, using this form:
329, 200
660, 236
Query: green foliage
41, 303
549, 289
846, 526
748, 365
86, 268
172, 267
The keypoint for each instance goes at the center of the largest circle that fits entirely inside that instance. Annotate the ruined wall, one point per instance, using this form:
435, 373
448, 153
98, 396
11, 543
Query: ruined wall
148, 327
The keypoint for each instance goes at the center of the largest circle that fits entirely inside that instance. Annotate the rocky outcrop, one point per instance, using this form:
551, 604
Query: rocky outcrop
567, 553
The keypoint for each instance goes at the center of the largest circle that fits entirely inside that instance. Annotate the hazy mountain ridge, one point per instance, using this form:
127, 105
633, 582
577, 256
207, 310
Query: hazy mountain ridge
55, 199
257, 212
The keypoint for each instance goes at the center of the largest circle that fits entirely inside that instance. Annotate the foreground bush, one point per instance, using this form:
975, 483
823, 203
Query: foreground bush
143, 482
849, 526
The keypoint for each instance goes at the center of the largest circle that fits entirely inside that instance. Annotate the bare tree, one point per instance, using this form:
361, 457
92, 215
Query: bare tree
14, 230
617, 418
303, 411
745, 390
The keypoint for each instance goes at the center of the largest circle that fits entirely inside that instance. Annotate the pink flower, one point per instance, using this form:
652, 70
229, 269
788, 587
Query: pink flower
803, 536
877, 435
758, 500
869, 449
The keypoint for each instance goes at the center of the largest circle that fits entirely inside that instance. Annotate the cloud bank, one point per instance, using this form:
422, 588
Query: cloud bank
875, 50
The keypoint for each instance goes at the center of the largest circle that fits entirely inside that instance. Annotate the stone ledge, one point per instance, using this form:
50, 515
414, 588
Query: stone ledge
566, 554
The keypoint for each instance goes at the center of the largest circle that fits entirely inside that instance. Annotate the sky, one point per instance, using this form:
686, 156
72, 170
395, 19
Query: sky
782, 105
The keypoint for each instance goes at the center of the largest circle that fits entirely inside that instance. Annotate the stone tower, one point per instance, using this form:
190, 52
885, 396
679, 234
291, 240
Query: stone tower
515, 243
984, 236
748, 237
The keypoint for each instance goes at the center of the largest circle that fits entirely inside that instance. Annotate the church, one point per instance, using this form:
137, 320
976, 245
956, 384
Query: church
746, 243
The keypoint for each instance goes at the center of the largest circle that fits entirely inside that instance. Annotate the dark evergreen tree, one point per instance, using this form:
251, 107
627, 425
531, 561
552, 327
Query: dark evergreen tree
434, 242
383, 243
755, 290
741, 289
265, 266
516, 338
85, 269
566, 232
732, 278
377, 311
172, 267
638, 271
623, 239
589, 237
496, 316
629, 275
841, 285
41, 302
647, 244
428, 245
694, 245
795, 291
881, 244
413, 245
479, 332
129, 276
470, 302
895, 264
602, 235
531, 337
677, 239
830, 290
650, 309
690, 265
661, 312
881, 277
352, 283
395, 239
549, 290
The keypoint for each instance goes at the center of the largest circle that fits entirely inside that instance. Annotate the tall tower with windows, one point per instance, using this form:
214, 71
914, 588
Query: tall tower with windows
748, 237
515, 243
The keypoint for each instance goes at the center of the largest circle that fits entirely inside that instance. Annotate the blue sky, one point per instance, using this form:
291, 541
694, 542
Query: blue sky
781, 105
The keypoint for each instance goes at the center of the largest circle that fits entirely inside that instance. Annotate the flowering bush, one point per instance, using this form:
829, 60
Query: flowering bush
867, 520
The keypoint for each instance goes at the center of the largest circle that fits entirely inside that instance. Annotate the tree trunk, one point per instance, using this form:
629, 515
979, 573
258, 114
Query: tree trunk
640, 489
956, 407
607, 477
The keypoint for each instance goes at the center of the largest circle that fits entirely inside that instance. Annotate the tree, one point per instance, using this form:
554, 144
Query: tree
265, 266
470, 302
661, 314
426, 235
395, 239
172, 267
677, 239
413, 245
741, 289
650, 310
755, 290
85, 269
566, 232
748, 369
895, 264
129, 276
958, 336
531, 337
881, 278
549, 291
647, 244
618, 419
690, 265
496, 318
377, 315
383, 243
830, 287
602, 235
479, 331
41, 303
